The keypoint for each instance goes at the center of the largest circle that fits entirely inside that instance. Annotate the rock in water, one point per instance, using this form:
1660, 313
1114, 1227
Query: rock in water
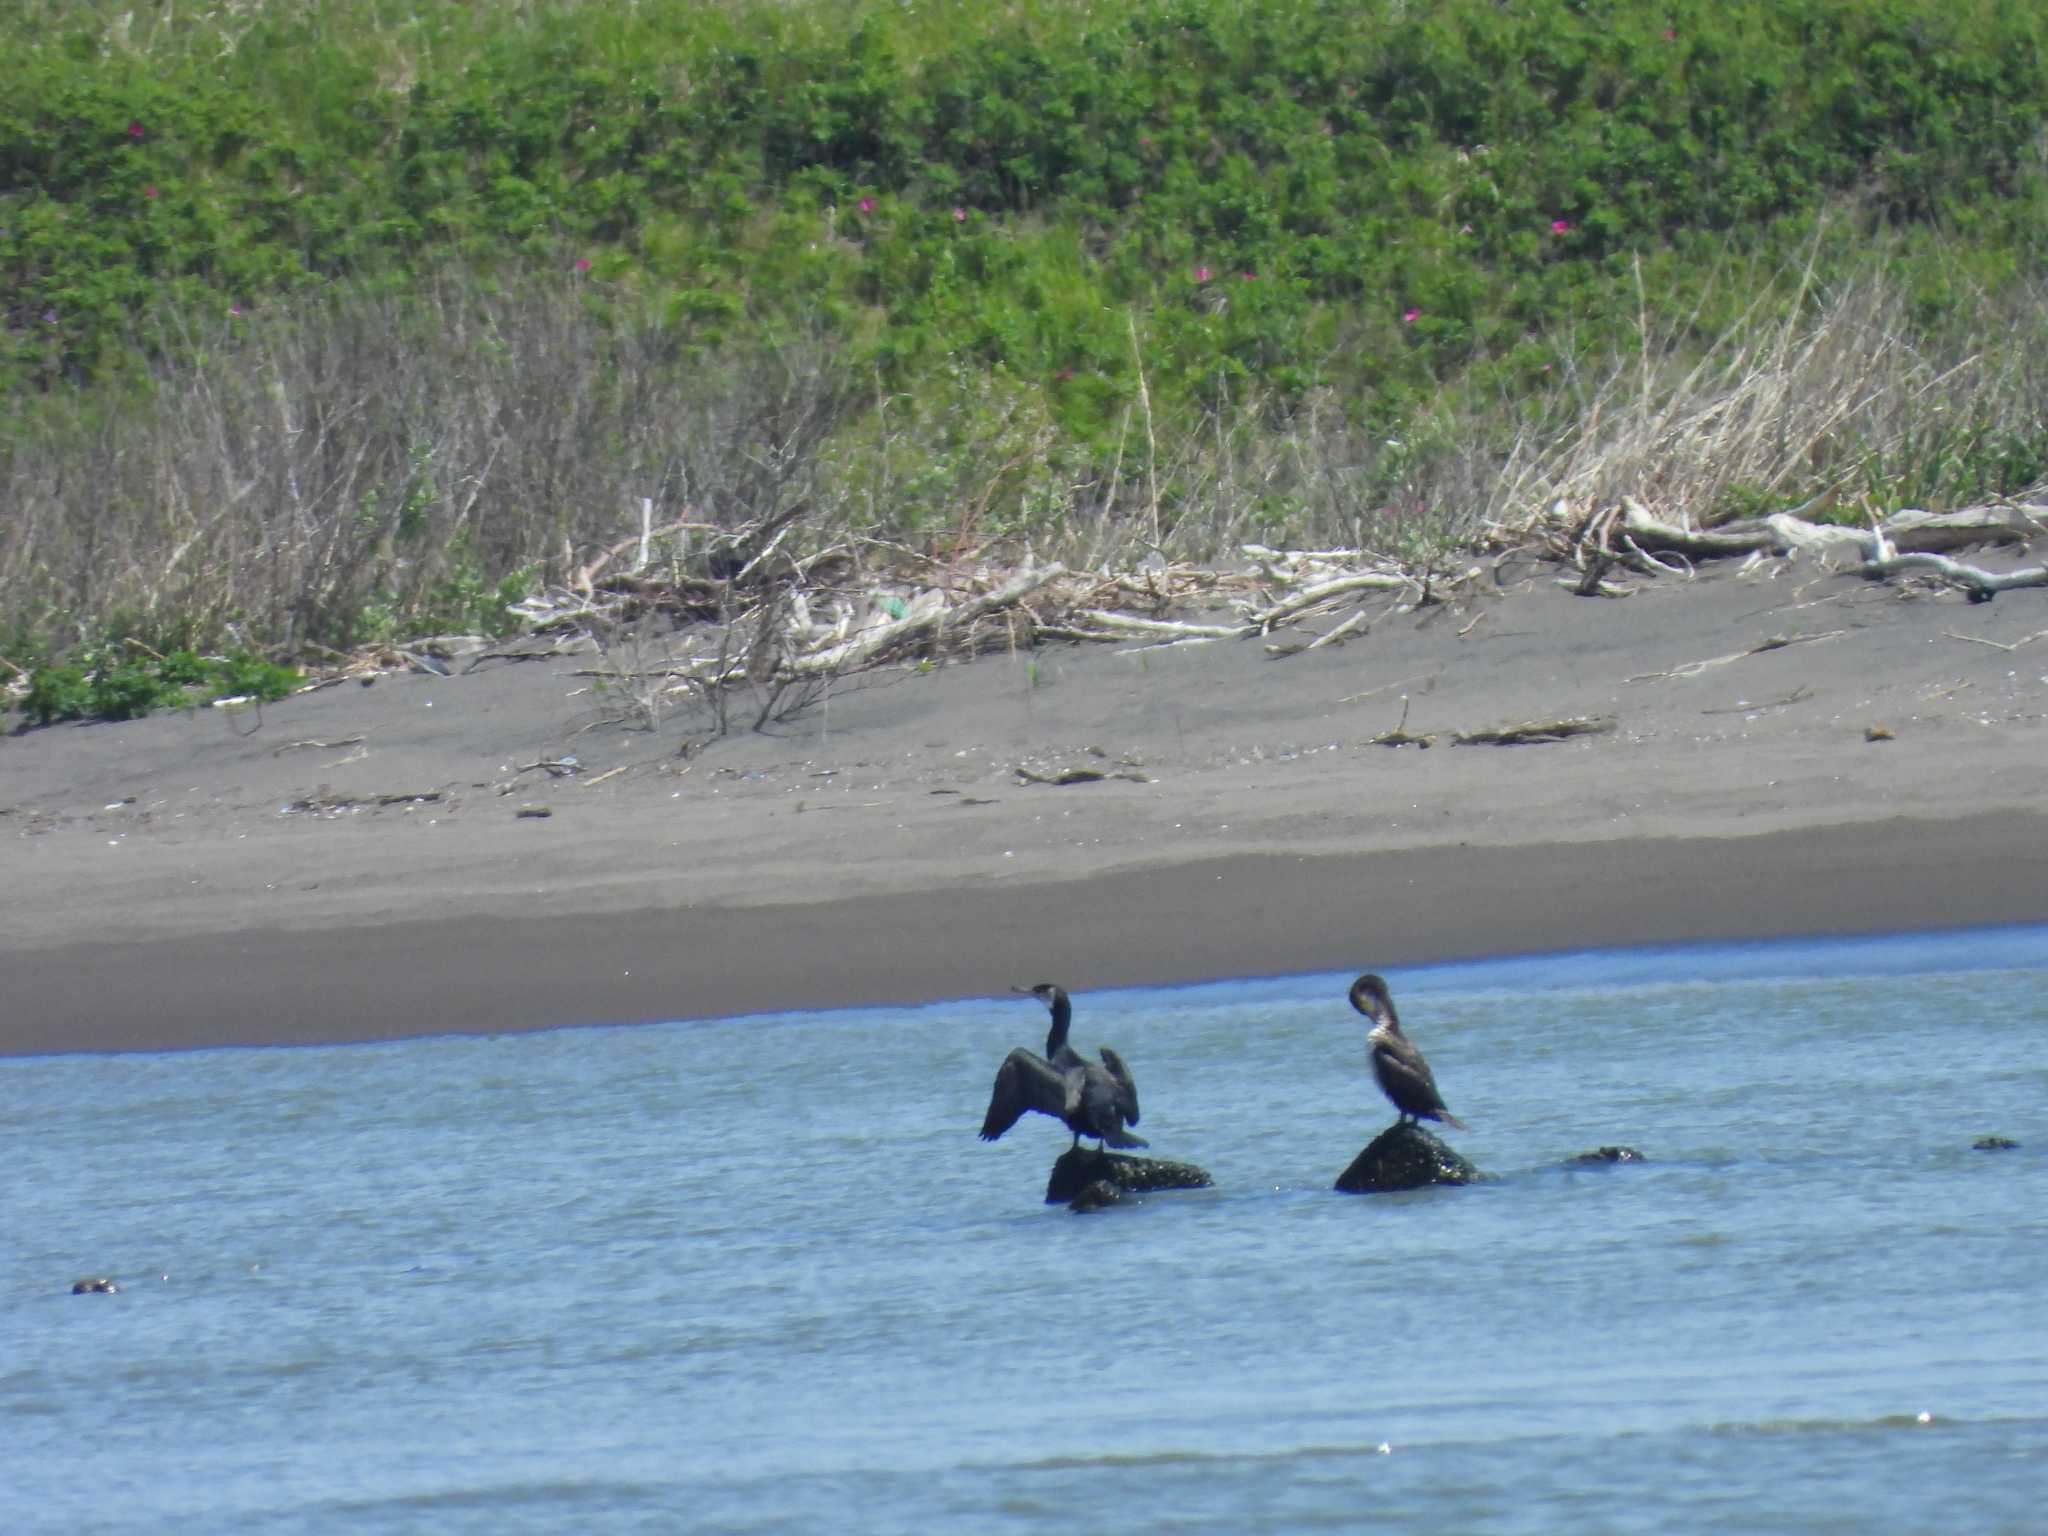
1080, 1167
1607, 1155
94, 1285
1093, 1197
1404, 1156
1993, 1144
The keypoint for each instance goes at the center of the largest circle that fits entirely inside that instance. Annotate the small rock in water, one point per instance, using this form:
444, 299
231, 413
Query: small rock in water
1093, 1197
1609, 1155
1993, 1144
94, 1285
1404, 1156
1079, 1167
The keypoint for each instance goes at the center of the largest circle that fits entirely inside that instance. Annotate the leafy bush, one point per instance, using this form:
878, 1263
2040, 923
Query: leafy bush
1058, 269
107, 689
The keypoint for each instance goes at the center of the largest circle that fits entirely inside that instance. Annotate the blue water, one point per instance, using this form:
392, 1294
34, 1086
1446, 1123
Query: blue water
759, 1274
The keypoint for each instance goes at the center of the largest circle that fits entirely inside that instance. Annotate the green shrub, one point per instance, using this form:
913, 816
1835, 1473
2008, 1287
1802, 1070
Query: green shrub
1015, 230
128, 690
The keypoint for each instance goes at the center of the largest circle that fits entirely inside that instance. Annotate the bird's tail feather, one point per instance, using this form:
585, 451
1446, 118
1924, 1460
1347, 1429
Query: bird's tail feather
1124, 1139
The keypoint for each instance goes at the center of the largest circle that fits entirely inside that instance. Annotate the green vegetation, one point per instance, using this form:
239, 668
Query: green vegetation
114, 687
340, 318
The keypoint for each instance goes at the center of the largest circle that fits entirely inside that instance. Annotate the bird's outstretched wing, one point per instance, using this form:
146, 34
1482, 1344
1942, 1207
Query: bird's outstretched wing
1108, 1100
1023, 1082
1126, 1089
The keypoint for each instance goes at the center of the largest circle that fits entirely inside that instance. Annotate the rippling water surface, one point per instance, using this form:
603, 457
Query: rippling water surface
760, 1275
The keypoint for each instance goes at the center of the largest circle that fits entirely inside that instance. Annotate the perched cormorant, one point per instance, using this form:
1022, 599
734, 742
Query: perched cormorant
1093, 1099
1398, 1066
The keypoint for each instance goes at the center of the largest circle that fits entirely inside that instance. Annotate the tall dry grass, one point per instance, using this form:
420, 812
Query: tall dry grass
372, 466
1821, 401
380, 463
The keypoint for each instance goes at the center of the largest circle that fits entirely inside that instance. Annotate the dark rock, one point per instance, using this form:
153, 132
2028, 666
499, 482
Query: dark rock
1608, 1155
1404, 1156
1093, 1197
1080, 1167
94, 1285
1993, 1144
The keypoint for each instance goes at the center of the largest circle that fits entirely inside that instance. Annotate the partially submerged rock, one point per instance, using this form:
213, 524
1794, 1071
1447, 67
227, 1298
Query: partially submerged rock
1093, 1197
94, 1285
1404, 1156
1993, 1144
1080, 1168
1607, 1155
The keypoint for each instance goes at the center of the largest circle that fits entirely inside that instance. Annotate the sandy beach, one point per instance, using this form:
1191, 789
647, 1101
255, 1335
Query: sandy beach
353, 864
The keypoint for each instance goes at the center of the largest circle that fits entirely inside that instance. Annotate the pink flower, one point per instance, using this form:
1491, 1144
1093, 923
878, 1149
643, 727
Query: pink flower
1249, 277
1410, 316
234, 309
1064, 375
1560, 226
1202, 274
149, 192
867, 205
135, 130
582, 263
1464, 229
959, 215
1671, 34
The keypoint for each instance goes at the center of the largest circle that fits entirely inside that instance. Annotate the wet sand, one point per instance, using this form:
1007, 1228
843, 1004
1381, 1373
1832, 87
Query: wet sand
354, 866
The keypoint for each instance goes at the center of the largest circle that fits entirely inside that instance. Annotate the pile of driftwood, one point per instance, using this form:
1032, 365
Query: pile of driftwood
666, 618
788, 624
1909, 543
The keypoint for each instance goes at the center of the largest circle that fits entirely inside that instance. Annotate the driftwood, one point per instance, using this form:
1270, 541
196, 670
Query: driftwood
1798, 695
1906, 542
1695, 668
1999, 645
865, 648
1126, 625
1301, 602
1981, 585
331, 804
1358, 623
324, 746
1532, 732
1079, 775
584, 576
1907, 532
1401, 736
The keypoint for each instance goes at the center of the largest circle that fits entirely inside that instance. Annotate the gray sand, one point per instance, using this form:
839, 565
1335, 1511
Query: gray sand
882, 848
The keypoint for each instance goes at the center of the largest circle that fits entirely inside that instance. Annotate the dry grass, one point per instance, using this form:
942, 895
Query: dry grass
1845, 404
374, 467
384, 464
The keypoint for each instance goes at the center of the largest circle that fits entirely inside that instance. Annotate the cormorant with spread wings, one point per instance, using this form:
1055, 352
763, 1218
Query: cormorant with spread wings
1089, 1098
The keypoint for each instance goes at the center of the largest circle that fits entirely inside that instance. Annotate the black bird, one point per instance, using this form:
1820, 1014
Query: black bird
1398, 1066
1093, 1099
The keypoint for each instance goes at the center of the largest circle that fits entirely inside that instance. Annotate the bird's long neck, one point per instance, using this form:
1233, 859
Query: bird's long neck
1062, 1016
1379, 1008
